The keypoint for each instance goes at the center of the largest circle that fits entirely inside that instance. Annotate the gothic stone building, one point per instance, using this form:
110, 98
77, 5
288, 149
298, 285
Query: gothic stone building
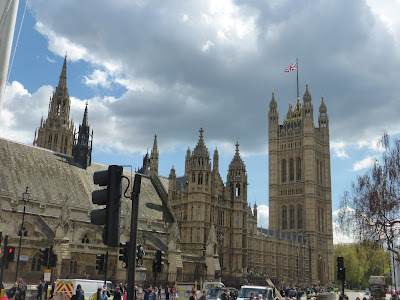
205, 227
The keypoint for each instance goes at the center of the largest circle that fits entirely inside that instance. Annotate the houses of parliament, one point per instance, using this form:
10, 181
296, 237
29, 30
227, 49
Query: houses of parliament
204, 226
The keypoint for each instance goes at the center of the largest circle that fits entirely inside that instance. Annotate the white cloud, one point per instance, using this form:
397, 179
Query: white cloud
263, 216
339, 150
340, 237
98, 77
207, 46
365, 163
50, 60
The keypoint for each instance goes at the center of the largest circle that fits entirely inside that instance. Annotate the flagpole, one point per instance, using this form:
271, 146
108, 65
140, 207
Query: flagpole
297, 63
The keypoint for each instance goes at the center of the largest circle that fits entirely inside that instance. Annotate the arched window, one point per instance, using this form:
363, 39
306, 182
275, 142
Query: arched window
298, 164
200, 179
320, 171
291, 169
49, 142
237, 190
284, 170
73, 266
85, 239
299, 216
198, 213
206, 179
191, 213
35, 266
284, 217
291, 217
193, 177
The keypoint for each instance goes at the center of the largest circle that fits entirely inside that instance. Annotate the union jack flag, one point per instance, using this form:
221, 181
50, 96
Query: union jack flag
291, 67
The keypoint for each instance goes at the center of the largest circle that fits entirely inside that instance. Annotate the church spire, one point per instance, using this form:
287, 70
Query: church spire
62, 83
154, 157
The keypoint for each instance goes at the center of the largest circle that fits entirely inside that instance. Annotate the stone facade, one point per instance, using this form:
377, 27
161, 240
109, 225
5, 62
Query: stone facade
205, 227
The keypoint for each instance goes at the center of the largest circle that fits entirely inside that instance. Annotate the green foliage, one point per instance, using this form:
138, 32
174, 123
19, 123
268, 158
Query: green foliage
361, 261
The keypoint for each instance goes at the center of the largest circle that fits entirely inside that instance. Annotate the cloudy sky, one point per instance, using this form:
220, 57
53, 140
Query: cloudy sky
163, 67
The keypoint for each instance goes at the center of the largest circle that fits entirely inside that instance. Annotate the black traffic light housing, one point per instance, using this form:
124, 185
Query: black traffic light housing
124, 257
341, 272
111, 198
10, 254
44, 256
100, 262
158, 261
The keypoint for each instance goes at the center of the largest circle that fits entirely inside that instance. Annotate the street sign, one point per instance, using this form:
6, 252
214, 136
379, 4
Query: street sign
47, 275
22, 257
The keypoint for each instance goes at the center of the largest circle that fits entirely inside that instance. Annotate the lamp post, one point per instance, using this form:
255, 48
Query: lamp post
221, 243
25, 197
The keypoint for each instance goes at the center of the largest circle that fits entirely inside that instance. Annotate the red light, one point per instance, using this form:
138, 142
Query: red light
10, 250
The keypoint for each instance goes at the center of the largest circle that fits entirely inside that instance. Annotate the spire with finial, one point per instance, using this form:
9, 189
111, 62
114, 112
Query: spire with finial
62, 83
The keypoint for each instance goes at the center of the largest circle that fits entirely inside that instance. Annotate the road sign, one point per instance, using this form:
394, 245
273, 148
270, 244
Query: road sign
47, 275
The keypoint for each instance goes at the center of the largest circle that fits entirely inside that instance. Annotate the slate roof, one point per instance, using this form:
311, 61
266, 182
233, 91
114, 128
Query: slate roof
54, 178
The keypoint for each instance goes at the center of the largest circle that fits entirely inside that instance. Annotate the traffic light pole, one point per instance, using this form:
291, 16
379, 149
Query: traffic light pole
21, 231
105, 268
4, 257
134, 223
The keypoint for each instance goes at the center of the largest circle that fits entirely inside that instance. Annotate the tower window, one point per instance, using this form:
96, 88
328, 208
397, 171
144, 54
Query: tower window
191, 213
50, 141
193, 177
291, 217
198, 235
200, 178
320, 171
191, 235
206, 179
58, 109
284, 218
298, 163
198, 213
284, 170
237, 190
55, 142
299, 216
291, 169
237, 219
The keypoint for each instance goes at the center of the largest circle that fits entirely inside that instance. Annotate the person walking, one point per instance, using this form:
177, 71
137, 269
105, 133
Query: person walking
117, 293
203, 296
21, 290
40, 290
167, 293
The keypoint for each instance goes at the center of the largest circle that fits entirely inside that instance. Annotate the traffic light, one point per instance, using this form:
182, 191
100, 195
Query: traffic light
44, 256
158, 261
111, 198
53, 260
341, 275
124, 257
100, 262
10, 254
340, 263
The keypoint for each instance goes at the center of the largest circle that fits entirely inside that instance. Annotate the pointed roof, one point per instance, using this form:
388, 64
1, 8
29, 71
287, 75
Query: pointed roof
154, 150
273, 103
85, 117
322, 107
200, 149
237, 161
307, 95
62, 83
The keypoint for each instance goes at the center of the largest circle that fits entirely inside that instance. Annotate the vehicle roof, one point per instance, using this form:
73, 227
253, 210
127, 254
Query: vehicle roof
255, 287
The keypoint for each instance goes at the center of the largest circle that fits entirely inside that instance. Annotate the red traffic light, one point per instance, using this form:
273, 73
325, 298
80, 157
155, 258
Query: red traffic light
10, 250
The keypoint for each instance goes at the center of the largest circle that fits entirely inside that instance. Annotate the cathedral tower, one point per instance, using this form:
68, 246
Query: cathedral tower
300, 183
57, 132
82, 149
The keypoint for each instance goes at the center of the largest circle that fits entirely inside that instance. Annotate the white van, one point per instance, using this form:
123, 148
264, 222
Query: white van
90, 287
246, 290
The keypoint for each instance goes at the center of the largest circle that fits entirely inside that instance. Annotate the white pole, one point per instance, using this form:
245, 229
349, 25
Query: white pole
8, 15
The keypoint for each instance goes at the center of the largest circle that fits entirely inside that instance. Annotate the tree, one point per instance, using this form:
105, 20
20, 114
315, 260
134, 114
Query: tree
372, 209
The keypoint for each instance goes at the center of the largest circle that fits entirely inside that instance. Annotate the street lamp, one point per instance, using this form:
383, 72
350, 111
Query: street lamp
25, 197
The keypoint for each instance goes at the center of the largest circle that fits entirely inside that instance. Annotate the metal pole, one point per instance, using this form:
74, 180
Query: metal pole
22, 229
105, 269
133, 237
3, 258
297, 68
